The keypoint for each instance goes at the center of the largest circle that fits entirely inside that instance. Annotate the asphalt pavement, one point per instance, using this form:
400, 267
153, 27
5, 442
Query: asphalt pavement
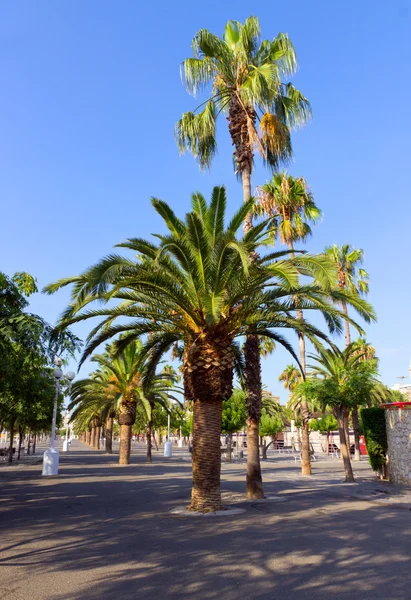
101, 531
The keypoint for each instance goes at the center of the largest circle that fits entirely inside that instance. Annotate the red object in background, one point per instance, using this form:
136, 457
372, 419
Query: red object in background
363, 449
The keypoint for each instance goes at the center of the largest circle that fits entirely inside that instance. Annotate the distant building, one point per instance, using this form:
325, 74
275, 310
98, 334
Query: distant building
404, 388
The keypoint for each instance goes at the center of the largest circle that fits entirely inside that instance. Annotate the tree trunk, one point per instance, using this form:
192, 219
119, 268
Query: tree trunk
28, 443
149, 433
305, 411
34, 443
254, 480
126, 419
305, 439
229, 447
10, 458
340, 414
93, 436
264, 449
206, 493
356, 428
109, 435
97, 439
328, 443
20, 442
246, 182
346, 324
347, 433
155, 441
208, 378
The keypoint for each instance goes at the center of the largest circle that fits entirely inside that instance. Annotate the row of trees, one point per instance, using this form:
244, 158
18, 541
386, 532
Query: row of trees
204, 290
27, 347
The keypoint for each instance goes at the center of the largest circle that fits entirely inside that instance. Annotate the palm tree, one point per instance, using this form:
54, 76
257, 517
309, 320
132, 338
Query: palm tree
246, 79
246, 76
197, 287
291, 376
289, 202
352, 278
124, 376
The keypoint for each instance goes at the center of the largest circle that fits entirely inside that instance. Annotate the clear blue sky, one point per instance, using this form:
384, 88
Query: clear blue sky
90, 92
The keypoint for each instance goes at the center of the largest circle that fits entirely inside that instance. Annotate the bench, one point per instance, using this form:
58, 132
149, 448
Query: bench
286, 449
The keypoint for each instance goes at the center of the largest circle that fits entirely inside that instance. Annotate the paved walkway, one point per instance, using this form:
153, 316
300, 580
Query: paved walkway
100, 531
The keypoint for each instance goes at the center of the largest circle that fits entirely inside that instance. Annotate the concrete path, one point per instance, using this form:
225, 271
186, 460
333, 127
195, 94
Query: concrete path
100, 531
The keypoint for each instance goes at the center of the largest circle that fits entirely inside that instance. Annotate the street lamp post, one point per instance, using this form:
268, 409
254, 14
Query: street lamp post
51, 455
66, 442
168, 446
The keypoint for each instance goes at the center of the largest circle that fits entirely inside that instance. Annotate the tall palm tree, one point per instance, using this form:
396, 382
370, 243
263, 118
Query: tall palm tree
291, 376
289, 202
351, 276
196, 286
354, 279
244, 77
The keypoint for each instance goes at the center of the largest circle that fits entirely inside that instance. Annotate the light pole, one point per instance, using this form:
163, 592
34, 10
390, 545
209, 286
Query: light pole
66, 441
51, 455
168, 446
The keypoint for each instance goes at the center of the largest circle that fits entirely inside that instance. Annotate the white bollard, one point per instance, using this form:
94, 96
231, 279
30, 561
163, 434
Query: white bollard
66, 444
50, 462
168, 449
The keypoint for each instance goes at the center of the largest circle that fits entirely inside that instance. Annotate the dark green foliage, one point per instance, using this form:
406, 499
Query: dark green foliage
375, 432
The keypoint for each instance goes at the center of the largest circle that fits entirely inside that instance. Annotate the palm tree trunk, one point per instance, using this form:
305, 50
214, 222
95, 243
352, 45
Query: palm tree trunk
109, 435
340, 414
11, 427
347, 433
149, 433
346, 324
229, 447
20, 442
126, 419
98, 435
246, 183
206, 493
88, 437
305, 411
254, 481
356, 428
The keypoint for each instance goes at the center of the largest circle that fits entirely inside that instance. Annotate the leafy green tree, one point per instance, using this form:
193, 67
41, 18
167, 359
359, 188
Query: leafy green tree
339, 382
27, 346
234, 417
270, 426
197, 287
